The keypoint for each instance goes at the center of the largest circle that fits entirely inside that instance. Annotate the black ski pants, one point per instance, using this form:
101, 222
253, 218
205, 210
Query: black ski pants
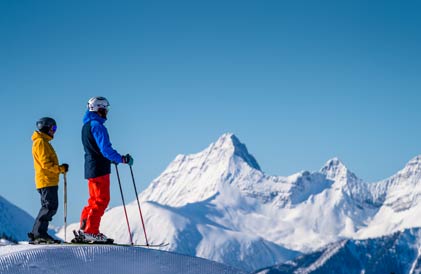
49, 206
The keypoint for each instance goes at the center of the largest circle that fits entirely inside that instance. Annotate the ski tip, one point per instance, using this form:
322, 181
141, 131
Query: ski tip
156, 245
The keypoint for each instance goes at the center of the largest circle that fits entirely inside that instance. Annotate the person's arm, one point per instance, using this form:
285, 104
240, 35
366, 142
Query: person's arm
102, 139
43, 156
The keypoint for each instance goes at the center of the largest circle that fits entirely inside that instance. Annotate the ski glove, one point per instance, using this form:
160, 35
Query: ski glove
127, 159
64, 168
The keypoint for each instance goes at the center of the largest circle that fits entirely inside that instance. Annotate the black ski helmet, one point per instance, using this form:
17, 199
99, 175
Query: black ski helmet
44, 124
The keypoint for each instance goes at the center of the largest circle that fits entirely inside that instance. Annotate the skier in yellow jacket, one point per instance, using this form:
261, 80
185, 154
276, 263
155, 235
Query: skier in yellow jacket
47, 171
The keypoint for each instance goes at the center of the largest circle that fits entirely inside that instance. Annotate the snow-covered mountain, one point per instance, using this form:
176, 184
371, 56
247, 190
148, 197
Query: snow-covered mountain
14, 222
218, 204
396, 253
398, 202
197, 177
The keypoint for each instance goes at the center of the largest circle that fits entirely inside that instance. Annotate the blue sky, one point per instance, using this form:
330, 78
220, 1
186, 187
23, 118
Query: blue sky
299, 82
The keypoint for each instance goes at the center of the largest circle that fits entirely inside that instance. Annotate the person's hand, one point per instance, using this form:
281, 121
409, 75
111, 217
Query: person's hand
64, 168
127, 159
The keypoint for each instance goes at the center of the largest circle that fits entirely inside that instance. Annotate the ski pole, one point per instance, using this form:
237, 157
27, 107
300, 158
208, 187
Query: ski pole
124, 204
138, 205
65, 205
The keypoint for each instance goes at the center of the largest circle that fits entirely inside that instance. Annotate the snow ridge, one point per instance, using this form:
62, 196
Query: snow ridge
241, 151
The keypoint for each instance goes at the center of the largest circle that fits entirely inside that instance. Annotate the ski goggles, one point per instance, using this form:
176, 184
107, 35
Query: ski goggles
54, 128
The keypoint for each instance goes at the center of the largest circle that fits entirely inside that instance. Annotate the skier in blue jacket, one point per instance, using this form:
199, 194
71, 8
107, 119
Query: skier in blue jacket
99, 154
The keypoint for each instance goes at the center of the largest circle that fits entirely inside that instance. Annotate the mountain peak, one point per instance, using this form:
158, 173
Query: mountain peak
412, 167
416, 161
334, 168
334, 163
230, 141
225, 140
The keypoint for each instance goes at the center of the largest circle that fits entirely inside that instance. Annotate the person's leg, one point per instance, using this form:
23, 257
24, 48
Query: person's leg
39, 219
49, 206
91, 204
99, 188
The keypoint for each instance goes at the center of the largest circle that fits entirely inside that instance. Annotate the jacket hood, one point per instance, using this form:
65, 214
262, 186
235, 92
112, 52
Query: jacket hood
91, 115
41, 135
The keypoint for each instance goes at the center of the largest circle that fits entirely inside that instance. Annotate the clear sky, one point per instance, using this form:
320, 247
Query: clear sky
298, 82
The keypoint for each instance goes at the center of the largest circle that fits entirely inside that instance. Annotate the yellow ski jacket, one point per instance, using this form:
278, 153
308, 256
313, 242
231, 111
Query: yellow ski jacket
47, 169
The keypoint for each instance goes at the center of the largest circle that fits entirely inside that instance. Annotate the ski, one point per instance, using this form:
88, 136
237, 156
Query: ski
117, 244
99, 243
144, 245
79, 240
56, 242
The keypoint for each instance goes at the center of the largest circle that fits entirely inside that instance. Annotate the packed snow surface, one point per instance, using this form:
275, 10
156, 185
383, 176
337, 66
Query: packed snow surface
70, 259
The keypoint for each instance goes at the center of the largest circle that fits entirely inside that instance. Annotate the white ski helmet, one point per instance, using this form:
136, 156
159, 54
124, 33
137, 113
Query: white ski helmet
96, 103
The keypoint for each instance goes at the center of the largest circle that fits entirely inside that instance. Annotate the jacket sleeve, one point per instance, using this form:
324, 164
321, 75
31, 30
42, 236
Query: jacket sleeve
43, 154
102, 139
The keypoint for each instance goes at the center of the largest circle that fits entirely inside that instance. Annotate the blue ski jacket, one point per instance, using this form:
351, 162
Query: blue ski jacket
99, 152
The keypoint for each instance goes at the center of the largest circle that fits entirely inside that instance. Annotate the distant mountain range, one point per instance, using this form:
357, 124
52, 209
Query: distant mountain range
218, 204
395, 253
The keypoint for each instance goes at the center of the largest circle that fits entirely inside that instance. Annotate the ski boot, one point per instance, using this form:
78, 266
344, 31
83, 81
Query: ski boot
42, 239
88, 238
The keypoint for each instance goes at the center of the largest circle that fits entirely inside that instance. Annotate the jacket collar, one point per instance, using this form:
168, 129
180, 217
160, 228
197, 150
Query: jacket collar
92, 115
41, 135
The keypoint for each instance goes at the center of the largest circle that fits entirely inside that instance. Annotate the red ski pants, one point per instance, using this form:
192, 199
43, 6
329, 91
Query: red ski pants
99, 197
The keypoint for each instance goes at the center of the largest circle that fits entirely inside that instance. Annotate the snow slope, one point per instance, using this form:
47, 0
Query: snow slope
14, 222
195, 230
69, 259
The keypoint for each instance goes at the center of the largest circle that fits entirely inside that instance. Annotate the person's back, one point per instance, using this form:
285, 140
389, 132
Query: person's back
96, 164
